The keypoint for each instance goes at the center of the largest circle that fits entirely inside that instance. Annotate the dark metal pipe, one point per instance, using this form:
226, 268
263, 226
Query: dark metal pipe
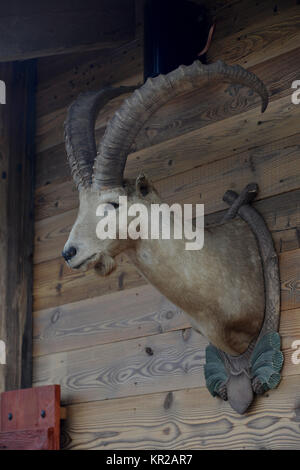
175, 32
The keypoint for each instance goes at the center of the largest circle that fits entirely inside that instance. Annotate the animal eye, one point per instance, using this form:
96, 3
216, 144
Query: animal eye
114, 204
109, 207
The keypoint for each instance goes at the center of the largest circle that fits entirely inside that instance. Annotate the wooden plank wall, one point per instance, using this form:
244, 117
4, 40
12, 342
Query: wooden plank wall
130, 367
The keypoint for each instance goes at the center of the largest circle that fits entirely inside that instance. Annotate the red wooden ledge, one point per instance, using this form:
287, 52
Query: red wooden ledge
30, 419
41, 439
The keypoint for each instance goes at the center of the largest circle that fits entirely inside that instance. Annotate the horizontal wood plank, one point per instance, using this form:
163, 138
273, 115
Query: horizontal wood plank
289, 277
187, 113
186, 419
164, 362
265, 37
215, 102
51, 162
127, 361
155, 363
55, 284
233, 16
138, 312
243, 138
141, 311
217, 141
93, 73
117, 340
274, 167
282, 214
67, 327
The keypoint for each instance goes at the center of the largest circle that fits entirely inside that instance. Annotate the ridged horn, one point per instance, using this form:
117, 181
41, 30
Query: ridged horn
125, 125
80, 131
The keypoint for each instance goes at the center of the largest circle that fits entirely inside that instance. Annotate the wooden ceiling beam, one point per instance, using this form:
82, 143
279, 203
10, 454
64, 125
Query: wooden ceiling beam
29, 29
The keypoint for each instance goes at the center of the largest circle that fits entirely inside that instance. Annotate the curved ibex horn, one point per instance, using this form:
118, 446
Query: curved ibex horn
125, 125
80, 131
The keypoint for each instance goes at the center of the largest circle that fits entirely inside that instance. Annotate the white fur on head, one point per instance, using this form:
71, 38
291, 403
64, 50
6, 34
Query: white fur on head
90, 250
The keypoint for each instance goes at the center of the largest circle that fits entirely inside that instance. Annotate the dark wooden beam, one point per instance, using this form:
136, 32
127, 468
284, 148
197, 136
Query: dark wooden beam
35, 29
16, 222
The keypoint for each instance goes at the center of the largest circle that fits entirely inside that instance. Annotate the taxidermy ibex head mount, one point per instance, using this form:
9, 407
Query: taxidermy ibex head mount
229, 288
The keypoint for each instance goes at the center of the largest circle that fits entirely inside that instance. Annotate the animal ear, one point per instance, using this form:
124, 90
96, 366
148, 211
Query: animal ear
142, 185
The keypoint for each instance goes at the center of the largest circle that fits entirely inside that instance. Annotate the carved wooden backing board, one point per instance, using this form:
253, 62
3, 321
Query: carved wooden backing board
30, 419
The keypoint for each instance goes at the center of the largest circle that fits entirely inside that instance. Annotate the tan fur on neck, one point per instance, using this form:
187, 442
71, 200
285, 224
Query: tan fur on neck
220, 287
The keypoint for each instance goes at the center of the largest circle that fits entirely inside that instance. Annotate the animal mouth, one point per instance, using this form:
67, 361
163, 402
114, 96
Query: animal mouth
87, 262
103, 264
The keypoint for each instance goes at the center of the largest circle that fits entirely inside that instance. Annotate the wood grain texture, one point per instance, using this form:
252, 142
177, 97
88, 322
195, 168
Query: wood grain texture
237, 15
274, 167
265, 37
64, 26
135, 354
155, 363
163, 362
243, 139
60, 82
141, 311
215, 102
216, 141
282, 215
55, 284
97, 71
57, 91
39, 439
289, 276
16, 222
186, 419
52, 162
187, 113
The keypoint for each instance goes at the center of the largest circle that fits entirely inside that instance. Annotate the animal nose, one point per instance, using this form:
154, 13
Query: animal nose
70, 253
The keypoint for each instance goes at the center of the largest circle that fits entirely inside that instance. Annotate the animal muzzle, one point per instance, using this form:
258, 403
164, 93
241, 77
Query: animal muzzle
69, 253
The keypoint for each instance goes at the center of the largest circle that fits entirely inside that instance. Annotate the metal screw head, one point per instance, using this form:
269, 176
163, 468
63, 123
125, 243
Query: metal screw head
43, 413
10, 416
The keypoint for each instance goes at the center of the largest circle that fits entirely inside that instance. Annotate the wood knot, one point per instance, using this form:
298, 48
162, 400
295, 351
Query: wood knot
168, 401
169, 314
186, 334
149, 351
55, 316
